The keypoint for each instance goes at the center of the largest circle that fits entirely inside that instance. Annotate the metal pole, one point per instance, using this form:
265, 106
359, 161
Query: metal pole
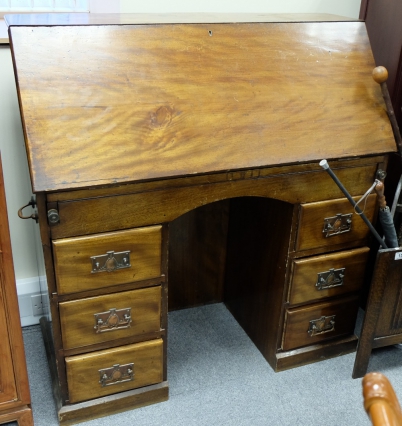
324, 164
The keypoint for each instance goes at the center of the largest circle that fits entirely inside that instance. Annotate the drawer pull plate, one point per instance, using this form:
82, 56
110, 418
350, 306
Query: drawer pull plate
321, 325
113, 319
338, 224
111, 261
330, 279
116, 374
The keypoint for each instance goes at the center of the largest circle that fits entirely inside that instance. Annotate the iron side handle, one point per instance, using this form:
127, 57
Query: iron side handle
34, 215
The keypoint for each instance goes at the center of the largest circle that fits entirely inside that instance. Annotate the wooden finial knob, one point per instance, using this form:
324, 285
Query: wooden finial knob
380, 74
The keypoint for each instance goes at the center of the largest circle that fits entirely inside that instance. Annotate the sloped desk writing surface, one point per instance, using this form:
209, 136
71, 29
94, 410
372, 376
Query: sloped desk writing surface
192, 147
192, 98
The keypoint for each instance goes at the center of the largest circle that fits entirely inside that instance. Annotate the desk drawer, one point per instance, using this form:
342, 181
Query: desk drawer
115, 370
335, 274
101, 260
318, 322
99, 319
313, 219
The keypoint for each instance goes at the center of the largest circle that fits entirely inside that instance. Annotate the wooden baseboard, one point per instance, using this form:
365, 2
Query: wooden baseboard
314, 353
113, 404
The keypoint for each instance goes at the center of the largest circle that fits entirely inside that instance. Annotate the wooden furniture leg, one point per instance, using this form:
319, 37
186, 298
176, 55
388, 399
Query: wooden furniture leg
15, 399
23, 417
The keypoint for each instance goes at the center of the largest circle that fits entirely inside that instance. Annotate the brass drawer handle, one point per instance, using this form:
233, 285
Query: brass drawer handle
113, 319
338, 224
330, 279
110, 261
321, 325
116, 374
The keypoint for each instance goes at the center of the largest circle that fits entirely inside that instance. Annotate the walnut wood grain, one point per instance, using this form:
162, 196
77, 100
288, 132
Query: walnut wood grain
23, 417
57, 298
258, 243
298, 321
380, 400
72, 257
197, 254
312, 217
8, 386
15, 400
203, 103
130, 188
390, 321
153, 121
385, 34
78, 321
83, 375
305, 274
115, 343
87, 216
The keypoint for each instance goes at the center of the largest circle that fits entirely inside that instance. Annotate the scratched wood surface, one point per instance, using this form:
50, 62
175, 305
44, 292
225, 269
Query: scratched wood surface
109, 104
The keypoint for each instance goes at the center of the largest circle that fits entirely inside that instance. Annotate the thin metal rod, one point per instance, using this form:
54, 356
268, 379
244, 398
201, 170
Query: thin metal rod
391, 116
324, 164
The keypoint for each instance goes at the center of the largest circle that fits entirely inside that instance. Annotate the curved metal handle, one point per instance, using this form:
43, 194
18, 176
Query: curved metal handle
110, 261
321, 325
116, 374
34, 215
113, 319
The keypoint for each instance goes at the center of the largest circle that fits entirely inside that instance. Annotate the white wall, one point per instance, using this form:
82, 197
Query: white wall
348, 8
28, 258
15, 170
25, 241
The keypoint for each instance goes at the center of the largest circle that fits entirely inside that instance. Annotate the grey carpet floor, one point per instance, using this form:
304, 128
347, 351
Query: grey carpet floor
218, 377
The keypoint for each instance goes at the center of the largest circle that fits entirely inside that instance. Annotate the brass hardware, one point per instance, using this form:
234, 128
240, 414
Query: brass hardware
34, 215
116, 374
53, 216
338, 224
321, 325
113, 319
329, 279
110, 261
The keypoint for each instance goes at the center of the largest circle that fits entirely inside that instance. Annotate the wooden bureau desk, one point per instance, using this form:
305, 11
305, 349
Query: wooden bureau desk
189, 146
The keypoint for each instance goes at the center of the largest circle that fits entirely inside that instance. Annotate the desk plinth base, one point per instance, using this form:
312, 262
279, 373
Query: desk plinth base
314, 353
113, 404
